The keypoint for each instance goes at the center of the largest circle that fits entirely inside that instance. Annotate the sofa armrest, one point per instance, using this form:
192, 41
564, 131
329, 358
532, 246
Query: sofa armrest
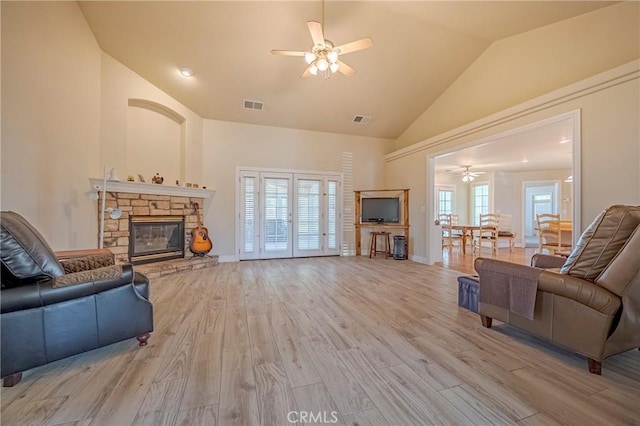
85, 260
582, 291
547, 261
67, 287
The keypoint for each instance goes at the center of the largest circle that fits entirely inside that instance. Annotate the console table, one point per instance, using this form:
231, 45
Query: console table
403, 226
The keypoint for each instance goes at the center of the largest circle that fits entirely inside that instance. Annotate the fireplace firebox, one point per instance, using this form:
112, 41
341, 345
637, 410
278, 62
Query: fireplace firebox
156, 238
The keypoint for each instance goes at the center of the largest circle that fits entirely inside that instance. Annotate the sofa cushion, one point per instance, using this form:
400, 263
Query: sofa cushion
25, 254
601, 241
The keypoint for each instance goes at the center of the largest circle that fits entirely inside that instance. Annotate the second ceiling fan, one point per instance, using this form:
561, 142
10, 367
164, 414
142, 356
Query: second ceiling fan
324, 56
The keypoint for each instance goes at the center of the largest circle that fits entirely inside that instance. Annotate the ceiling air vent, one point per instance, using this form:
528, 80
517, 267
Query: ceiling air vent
257, 105
361, 119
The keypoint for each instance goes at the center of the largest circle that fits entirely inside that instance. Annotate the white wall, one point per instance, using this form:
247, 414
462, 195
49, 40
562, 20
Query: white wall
530, 64
153, 146
610, 138
65, 106
119, 84
227, 145
51, 119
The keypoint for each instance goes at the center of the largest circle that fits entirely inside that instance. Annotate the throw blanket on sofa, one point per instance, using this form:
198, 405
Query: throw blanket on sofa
509, 286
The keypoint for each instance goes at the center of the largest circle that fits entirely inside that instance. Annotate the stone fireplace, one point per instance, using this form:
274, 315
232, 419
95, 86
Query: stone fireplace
156, 221
156, 238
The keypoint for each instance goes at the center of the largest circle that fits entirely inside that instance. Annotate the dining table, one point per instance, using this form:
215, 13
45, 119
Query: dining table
467, 231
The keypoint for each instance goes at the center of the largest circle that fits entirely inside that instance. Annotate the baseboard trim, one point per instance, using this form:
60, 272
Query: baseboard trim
228, 258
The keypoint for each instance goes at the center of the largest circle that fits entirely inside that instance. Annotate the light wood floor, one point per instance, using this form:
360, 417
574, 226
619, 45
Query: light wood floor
364, 341
453, 258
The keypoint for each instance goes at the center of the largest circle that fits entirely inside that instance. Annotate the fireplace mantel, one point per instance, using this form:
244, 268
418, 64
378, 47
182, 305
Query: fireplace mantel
151, 188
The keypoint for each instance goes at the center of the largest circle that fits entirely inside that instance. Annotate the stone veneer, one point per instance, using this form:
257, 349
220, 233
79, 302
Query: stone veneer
116, 231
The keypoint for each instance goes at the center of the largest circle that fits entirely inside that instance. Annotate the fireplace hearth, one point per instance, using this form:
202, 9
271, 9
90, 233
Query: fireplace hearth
156, 238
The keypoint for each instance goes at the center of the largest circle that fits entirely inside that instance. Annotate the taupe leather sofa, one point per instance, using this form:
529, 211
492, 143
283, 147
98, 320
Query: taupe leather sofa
588, 302
53, 308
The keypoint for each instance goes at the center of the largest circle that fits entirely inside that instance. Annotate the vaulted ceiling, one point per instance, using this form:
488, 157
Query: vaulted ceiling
419, 49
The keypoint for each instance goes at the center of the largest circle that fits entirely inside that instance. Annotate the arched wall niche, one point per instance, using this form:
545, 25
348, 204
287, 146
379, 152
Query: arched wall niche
156, 141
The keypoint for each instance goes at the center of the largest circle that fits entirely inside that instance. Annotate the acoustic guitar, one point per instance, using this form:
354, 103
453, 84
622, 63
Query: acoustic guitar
200, 242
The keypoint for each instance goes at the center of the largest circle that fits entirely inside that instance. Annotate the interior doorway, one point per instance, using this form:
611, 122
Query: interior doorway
539, 198
505, 160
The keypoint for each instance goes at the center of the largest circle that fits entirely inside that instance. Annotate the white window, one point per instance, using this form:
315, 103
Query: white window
445, 202
479, 201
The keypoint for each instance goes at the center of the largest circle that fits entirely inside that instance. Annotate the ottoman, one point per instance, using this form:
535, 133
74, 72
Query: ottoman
468, 287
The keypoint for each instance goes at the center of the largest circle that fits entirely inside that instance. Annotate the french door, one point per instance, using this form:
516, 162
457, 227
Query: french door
288, 215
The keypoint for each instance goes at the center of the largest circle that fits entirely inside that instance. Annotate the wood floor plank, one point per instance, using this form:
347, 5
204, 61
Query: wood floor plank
297, 362
199, 416
263, 346
370, 417
34, 412
122, 405
236, 332
380, 341
87, 400
396, 403
347, 393
161, 403
275, 396
238, 400
316, 399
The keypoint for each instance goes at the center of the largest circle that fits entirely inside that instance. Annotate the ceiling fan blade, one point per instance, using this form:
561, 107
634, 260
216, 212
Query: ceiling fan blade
306, 73
287, 52
315, 28
363, 43
345, 69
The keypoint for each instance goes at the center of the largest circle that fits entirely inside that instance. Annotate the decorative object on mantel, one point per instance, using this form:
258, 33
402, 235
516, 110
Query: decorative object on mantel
177, 182
141, 178
157, 179
200, 242
113, 175
130, 178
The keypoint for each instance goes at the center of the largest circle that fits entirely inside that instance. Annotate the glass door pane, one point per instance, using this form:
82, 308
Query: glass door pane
276, 213
249, 215
308, 220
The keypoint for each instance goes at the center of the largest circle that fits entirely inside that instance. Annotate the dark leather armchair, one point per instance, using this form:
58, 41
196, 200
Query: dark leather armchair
53, 307
588, 302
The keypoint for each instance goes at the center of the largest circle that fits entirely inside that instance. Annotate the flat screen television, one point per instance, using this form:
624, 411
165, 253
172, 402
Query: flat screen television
381, 210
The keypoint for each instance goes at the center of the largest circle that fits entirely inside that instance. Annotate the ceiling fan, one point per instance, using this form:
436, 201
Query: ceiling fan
469, 176
324, 56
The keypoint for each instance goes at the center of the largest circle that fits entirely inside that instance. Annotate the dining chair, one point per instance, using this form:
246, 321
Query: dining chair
505, 231
488, 232
550, 234
449, 235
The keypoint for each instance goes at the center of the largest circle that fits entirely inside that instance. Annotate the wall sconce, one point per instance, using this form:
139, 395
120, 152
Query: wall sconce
114, 213
94, 194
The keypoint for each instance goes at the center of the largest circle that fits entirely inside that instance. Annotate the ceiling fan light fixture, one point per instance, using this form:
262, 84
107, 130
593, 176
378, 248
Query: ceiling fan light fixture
467, 178
334, 67
313, 69
309, 57
323, 64
332, 56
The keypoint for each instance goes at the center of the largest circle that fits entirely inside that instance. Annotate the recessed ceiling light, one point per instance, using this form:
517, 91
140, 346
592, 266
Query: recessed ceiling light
186, 72
564, 140
524, 160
